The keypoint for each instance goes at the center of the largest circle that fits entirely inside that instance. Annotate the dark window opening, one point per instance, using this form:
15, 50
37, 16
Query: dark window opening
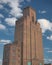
32, 18
27, 12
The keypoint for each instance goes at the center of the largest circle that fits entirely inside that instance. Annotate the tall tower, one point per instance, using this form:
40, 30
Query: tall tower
27, 48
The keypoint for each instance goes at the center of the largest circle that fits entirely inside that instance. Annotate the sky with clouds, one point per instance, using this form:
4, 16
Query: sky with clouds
11, 10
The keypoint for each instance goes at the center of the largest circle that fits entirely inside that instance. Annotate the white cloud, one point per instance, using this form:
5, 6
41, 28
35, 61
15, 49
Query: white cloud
50, 60
45, 25
42, 12
16, 10
5, 41
1, 16
50, 51
10, 21
46, 48
2, 27
49, 37
15, 6
0, 62
1, 6
47, 60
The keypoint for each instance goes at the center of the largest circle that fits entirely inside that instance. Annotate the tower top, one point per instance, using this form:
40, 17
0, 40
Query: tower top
29, 12
29, 7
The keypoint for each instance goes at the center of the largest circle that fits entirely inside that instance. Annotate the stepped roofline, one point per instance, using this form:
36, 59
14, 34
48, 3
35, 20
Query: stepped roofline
29, 7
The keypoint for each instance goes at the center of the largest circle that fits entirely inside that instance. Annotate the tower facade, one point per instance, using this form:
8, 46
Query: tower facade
27, 48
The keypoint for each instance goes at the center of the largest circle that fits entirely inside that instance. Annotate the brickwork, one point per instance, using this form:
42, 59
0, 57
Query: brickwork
27, 46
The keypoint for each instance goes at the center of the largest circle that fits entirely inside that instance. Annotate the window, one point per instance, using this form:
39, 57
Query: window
32, 18
28, 12
29, 63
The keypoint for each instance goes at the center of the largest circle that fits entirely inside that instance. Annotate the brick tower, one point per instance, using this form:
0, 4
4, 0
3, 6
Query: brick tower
27, 47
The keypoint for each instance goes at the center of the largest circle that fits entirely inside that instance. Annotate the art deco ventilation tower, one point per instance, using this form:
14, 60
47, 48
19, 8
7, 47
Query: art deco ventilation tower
27, 47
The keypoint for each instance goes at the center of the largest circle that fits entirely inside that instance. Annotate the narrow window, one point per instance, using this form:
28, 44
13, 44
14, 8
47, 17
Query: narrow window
33, 19
28, 11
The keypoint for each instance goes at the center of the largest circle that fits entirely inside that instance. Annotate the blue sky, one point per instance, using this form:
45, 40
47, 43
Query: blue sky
11, 10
